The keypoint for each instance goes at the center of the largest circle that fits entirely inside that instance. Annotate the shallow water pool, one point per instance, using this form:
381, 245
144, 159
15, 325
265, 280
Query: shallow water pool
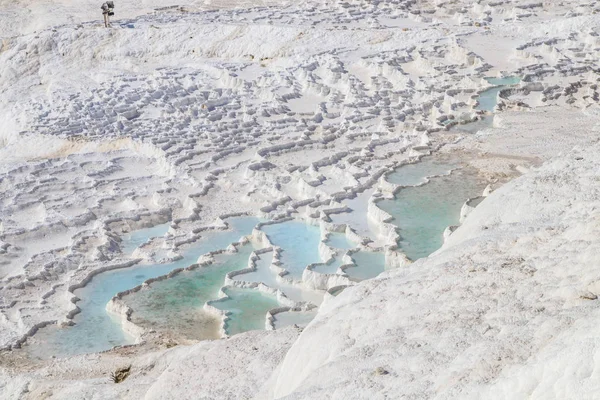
488, 99
97, 330
340, 241
248, 309
422, 213
416, 174
135, 239
357, 219
175, 305
504, 81
300, 244
368, 265
299, 318
265, 275
330, 268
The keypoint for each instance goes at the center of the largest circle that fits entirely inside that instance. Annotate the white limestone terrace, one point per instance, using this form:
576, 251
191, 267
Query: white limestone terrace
286, 111
292, 293
29, 16
507, 308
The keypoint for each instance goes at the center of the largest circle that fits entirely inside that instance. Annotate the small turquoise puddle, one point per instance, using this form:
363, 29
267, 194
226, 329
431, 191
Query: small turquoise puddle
368, 265
175, 305
247, 309
265, 275
422, 213
484, 122
340, 241
416, 174
299, 318
300, 244
330, 268
135, 239
337, 291
357, 218
489, 98
506, 81
97, 330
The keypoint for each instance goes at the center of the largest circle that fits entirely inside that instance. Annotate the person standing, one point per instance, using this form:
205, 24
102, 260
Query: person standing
108, 11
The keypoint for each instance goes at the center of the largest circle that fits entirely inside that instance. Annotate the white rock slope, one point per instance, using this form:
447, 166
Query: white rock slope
288, 110
507, 309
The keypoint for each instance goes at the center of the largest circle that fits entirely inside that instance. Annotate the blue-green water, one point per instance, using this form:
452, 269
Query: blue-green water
176, 304
415, 174
505, 81
340, 241
422, 213
488, 99
484, 122
135, 239
368, 265
265, 275
330, 268
357, 218
96, 329
300, 318
300, 244
248, 309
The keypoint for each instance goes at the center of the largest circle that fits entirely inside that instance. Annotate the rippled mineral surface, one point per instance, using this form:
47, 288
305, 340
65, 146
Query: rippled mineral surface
310, 199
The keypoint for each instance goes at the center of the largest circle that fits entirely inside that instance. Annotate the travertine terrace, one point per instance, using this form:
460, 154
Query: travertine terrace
191, 115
